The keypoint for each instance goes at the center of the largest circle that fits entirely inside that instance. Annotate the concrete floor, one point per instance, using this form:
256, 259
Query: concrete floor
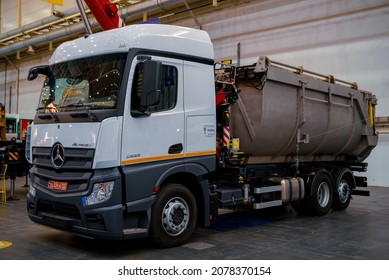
360, 232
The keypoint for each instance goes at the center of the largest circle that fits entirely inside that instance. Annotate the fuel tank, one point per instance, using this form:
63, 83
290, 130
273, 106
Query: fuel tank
285, 112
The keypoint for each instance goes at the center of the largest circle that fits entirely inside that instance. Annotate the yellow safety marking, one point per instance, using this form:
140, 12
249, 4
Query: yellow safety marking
5, 244
55, 2
227, 61
13, 156
371, 114
167, 157
235, 144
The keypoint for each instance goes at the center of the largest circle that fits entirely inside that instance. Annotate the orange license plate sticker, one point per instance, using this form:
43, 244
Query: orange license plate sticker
59, 186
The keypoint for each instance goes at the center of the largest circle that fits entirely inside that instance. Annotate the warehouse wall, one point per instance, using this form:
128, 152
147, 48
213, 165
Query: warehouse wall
346, 38
31, 11
28, 91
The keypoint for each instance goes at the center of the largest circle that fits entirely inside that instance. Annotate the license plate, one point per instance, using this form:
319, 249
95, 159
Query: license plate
59, 186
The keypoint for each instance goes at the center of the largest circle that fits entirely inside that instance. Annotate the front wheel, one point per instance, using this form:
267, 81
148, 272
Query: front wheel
174, 216
320, 201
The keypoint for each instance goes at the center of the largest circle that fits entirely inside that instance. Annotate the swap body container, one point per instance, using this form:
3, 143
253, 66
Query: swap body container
283, 113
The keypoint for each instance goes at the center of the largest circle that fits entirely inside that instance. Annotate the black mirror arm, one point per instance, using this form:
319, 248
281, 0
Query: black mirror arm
44, 70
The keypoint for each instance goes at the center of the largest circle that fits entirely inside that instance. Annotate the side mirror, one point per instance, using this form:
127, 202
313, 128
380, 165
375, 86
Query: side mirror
32, 75
35, 71
151, 86
50, 79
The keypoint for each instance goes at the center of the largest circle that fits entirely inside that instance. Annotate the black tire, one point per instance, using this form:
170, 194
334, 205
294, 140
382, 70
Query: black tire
320, 202
174, 216
342, 191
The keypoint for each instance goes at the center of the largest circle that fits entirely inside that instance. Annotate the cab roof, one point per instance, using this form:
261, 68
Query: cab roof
156, 37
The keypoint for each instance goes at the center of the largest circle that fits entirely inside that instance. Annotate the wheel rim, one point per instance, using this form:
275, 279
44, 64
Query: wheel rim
343, 191
175, 216
323, 194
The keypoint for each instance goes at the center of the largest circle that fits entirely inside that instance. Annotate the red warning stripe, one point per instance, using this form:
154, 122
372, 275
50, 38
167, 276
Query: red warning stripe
226, 135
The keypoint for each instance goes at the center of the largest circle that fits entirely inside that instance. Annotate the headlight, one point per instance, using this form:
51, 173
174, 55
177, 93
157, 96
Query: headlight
32, 191
101, 192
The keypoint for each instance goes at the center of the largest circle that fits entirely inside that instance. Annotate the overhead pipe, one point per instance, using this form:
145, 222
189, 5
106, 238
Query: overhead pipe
143, 7
37, 24
78, 28
45, 38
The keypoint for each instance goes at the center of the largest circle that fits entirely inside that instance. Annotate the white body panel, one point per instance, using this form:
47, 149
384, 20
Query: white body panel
80, 135
191, 122
199, 108
149, 138
103, 137
181, 40
201, 134
107, 152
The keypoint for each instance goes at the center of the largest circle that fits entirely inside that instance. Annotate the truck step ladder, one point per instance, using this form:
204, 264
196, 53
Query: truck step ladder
268, 196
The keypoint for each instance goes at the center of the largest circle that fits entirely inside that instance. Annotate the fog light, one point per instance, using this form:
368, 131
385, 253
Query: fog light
101, 192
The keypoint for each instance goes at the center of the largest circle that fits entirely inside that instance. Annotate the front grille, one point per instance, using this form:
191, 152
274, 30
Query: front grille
76, 170
74, 158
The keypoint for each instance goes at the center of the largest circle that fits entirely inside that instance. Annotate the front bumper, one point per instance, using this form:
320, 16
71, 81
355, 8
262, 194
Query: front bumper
107, 220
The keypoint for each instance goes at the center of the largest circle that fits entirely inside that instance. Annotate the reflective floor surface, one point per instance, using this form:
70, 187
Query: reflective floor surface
359, 232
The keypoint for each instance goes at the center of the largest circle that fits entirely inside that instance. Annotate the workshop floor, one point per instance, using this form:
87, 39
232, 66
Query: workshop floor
360, 232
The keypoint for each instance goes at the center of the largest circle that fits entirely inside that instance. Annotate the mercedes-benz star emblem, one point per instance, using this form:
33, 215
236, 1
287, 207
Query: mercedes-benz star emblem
58, 155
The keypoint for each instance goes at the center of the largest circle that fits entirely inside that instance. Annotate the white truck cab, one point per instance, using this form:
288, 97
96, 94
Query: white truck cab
123, 113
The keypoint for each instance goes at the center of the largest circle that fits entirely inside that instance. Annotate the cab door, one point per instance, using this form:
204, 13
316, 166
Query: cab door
153, 139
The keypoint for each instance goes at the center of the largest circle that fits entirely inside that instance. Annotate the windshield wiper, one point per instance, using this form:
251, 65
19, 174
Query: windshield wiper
44, 116
91, 115
97, 107
81, 114
69, 106
85, 114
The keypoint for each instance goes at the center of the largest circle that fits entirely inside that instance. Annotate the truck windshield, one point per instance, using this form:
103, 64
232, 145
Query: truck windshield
89, 83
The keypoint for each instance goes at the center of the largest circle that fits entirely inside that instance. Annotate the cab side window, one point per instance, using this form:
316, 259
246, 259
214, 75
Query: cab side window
168, 89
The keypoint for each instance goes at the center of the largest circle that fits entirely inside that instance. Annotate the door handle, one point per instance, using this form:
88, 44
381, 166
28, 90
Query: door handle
176, 148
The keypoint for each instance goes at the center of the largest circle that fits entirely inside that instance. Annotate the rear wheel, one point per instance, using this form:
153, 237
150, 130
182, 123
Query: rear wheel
321, 200
174, 216
343, 188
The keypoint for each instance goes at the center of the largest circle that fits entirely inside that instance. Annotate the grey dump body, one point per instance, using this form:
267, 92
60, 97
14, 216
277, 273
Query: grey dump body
285, 113
290, 136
